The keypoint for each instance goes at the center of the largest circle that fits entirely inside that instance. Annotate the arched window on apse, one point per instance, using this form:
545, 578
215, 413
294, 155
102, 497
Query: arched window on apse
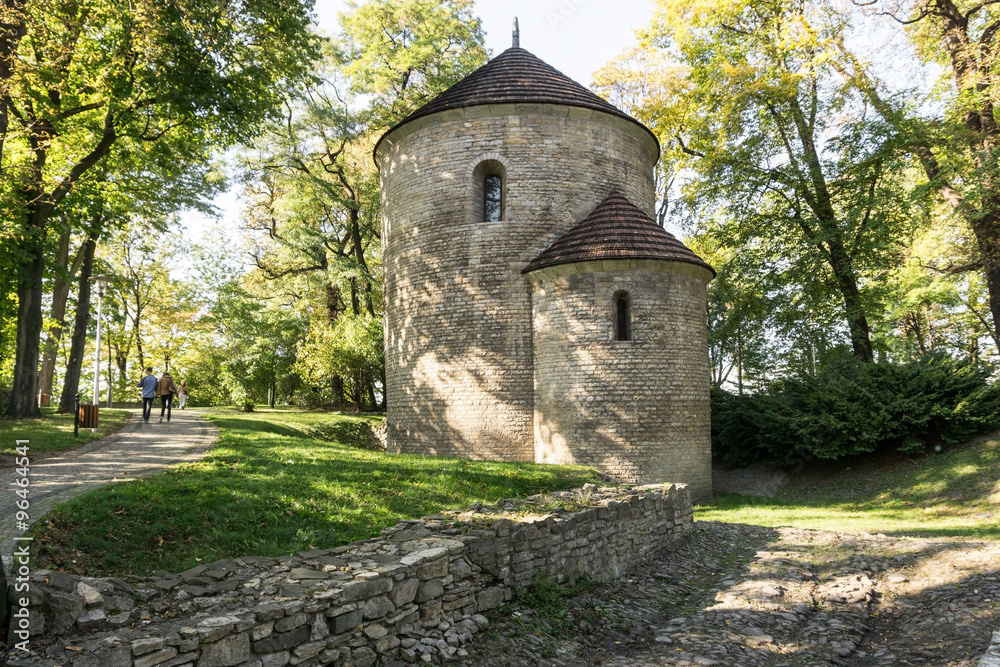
489, 184
623, 316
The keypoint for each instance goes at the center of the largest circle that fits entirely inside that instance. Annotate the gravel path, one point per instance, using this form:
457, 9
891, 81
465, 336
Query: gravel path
137, 450
745, 595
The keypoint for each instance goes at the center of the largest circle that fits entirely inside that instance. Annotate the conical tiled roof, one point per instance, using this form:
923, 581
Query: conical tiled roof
616, 229
516, 76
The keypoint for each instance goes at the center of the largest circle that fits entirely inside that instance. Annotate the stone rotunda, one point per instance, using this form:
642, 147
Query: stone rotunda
534, 310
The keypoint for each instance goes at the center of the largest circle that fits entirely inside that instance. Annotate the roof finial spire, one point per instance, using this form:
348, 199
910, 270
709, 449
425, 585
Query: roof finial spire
517, 35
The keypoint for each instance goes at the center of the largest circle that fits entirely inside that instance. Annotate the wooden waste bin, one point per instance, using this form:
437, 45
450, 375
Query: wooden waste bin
43, 400
89, 415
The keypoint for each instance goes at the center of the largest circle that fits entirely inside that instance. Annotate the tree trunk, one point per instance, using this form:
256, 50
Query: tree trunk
60, 293
138, 346
739, 360
356, 391
857, 322
821, 202
987, 231
381, 405
12, 29
355, 303
24, 388
370, 391
337, 389
71, 385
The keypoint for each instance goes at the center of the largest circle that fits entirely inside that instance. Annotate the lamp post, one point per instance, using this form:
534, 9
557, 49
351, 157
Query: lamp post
100, 283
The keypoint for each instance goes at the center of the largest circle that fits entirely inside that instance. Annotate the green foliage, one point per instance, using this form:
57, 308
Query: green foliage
547, 601
403, 52
788, 179
850, 408
351, 347
154, 85
8, 310
259, 343
546, 596
312, 189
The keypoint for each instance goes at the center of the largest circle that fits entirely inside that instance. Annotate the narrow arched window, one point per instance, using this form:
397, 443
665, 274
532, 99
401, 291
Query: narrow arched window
489, 192
623, 316
493, 198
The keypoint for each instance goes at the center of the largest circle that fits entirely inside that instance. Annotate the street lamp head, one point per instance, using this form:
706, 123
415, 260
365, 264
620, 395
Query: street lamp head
100, 282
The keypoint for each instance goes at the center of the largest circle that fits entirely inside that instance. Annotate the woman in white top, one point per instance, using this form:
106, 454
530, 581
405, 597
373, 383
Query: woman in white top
182, 394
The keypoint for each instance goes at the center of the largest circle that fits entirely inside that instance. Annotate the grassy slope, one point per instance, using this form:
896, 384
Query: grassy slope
276, 482
935, 495
54, 433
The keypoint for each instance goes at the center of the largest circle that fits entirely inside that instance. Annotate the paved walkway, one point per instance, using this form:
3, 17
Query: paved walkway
137, 450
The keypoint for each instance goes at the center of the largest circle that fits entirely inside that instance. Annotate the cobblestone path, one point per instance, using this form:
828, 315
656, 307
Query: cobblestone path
137, 450
744, 596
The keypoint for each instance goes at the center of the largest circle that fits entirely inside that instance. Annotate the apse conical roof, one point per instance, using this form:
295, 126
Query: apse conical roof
516, 77
616, 229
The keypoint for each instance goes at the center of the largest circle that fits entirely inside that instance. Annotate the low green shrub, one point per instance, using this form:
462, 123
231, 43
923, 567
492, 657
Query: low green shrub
851, 408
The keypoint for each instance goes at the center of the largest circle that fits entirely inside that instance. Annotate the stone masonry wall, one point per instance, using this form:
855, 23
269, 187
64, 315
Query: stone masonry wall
414, 594
458, 311
638, 410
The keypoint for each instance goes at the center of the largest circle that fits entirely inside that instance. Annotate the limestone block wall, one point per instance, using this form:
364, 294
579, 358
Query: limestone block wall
638, 410
414, 594
458, 311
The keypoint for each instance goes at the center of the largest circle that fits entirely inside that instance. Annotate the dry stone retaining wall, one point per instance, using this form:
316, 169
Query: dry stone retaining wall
413, 595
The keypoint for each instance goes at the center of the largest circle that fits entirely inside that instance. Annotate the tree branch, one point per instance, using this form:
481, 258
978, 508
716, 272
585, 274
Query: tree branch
982, 320
687, 150
953, 269
868, 208
78, 110
100, 150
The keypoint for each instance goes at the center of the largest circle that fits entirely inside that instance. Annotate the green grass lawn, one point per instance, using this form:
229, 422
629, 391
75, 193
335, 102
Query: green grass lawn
277, 482
54, 433
954, 494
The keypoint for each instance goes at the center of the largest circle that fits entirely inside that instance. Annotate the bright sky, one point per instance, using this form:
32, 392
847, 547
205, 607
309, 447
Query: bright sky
576, 37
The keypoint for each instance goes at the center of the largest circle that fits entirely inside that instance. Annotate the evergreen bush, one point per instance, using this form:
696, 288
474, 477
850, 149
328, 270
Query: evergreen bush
850, 408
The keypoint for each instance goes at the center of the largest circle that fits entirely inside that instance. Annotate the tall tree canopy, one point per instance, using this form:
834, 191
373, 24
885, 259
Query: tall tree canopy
312, 190
957, 149
79, 76
781, 153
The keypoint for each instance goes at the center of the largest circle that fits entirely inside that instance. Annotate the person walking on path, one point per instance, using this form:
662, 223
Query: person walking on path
182, 394
166, 389
148, 385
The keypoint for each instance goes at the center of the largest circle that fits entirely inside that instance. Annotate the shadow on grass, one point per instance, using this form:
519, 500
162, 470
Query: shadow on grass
267, 489
53, 432
888, 517
948, 495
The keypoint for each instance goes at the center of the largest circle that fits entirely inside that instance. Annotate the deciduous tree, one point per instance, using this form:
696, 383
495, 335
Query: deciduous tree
957, 149
86, 74
779, 145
